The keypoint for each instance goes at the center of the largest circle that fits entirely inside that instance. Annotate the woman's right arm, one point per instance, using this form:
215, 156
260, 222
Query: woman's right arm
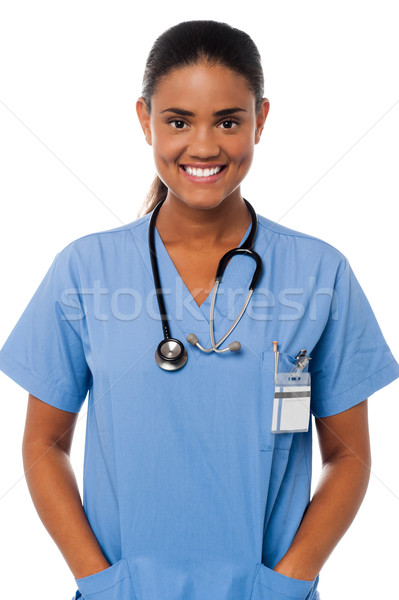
52, 484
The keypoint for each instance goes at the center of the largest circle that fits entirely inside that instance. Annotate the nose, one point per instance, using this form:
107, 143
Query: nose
203, 144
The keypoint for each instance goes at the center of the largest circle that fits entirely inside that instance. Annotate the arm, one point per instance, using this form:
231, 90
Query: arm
52, 484
345, 453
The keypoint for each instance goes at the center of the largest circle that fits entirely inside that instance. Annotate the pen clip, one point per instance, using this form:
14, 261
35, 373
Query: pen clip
276, 353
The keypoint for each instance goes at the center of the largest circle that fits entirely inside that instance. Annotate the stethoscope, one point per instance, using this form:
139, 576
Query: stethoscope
170, 354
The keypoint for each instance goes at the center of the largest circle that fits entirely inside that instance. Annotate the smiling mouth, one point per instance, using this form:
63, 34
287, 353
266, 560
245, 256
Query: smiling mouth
199, 172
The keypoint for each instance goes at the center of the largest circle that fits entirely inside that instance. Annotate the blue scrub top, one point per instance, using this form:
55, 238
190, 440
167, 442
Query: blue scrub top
188, 492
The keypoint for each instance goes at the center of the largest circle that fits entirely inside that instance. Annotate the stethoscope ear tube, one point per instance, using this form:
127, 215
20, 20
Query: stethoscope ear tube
224, 260
155, 270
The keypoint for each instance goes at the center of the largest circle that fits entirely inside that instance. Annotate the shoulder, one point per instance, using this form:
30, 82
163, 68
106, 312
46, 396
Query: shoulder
301, 248
103, 245
293, 236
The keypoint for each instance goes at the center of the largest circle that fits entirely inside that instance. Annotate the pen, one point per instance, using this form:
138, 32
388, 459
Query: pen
275, 344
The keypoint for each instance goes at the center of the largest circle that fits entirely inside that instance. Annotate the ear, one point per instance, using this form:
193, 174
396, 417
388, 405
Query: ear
261, 118
144, 118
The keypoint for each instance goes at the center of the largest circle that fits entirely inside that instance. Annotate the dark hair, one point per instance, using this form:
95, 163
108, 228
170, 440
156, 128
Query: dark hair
189, 43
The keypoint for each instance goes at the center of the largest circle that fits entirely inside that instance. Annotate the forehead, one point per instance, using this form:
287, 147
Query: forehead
203, 86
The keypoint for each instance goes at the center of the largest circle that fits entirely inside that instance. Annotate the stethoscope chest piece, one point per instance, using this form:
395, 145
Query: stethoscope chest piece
171, 355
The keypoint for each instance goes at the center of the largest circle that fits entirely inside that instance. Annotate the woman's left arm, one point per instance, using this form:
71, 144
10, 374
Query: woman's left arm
346, 461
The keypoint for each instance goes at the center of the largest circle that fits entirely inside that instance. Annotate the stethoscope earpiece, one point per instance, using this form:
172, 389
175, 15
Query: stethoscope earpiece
234, 347
170, 354
193, 340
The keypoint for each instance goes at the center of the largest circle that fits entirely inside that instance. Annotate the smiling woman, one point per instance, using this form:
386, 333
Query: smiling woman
203, 72
203, 142
197, 481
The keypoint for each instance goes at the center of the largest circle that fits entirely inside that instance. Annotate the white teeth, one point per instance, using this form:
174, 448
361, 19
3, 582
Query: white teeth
202, 172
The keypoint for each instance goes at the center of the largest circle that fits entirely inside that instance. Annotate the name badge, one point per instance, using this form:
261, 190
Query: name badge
291, 403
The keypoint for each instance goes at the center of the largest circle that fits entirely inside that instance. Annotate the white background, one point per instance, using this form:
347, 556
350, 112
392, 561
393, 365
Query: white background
74, 161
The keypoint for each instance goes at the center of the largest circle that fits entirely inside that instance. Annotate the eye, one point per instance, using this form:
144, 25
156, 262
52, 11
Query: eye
231, 123
179, 124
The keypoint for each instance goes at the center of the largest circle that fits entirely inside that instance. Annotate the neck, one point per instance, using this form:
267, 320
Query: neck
178, 223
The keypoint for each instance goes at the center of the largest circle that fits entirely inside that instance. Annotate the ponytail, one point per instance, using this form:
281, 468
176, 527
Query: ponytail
155, 194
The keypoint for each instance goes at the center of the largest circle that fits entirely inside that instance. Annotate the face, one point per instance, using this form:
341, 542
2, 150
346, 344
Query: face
203, 128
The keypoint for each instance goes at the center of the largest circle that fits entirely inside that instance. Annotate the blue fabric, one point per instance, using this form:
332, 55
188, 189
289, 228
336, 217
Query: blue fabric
188, 492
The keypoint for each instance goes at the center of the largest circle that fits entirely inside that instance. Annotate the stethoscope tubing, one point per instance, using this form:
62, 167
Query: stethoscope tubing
155, 272
226, 335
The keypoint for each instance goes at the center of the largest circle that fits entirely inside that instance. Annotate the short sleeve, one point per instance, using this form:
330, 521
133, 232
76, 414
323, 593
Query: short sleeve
351, 360
44, 352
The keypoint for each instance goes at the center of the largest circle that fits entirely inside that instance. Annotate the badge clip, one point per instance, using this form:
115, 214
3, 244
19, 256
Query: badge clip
301, 360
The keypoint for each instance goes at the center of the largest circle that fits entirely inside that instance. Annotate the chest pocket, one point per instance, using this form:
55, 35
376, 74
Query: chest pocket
268, 440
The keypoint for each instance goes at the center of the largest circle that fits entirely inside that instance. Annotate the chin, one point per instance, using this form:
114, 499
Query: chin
204, 202
202, 199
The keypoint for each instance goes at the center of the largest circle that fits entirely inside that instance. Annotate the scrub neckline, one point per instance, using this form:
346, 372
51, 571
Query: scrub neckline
205, 306
177, 272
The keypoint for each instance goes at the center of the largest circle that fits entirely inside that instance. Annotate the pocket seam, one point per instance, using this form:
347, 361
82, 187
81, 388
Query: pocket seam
131, 580
254, 580
310, 582
108, 587
290, 597
261, 428
82, 581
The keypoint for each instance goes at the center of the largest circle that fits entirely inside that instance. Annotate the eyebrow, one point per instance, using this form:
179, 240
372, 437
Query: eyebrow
220, 113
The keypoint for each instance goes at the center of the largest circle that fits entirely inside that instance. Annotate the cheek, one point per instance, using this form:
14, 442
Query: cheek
166, 149
240, 148
244, 154
164, 143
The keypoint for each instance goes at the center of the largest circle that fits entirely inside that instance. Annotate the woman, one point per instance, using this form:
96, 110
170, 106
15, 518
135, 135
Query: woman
198, 464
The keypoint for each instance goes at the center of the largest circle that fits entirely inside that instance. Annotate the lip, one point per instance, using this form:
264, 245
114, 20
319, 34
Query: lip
210, 178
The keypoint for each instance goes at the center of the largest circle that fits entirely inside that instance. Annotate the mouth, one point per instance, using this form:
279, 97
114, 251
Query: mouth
203, 174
